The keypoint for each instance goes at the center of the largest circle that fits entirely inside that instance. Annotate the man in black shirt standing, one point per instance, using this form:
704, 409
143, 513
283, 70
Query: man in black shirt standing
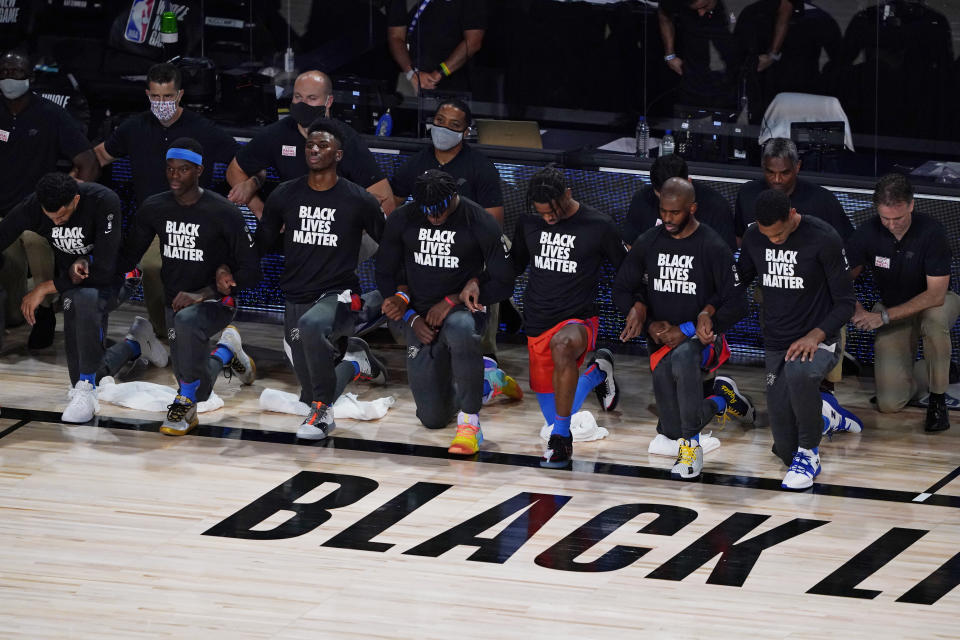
678, 282
444, 257
909, 257
322, 218
713, 209
801, 268
144, 139
207, 253
81, 222
34, 134
564, 243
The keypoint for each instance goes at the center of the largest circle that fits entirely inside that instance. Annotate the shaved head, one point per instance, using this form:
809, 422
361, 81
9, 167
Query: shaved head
679, 188
313, 87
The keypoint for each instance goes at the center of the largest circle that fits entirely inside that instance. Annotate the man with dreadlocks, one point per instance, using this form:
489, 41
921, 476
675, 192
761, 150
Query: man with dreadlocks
443, 255
564, 242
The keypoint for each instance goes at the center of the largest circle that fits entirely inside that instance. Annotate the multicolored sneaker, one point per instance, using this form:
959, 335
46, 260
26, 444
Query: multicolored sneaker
241, 365
319, 424
371, 368
804, 468
467, 441
181, 417
738, 404
607, 391
689, 462
836, 418
559, 452
499, 382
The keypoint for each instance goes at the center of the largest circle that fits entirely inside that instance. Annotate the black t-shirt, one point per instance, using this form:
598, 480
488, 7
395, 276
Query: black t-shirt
145, 141
439, 28
281, 144
194, 241
677, 278
564, 261
93, 230
807, 198
321, 236
481, 178
438, 260
713, 210
900, 268
30, 145
804, 281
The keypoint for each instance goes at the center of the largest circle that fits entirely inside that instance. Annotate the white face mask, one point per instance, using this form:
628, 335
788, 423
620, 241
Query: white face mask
164, 109
445, 139
13, 89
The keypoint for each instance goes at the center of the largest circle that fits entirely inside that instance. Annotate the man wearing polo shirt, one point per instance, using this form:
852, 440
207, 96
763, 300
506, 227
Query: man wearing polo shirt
909, 257
144, 139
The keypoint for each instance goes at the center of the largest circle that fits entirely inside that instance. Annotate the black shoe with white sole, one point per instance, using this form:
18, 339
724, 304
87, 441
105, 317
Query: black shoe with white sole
607, 391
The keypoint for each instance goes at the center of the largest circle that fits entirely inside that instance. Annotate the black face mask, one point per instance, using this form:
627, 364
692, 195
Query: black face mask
305, 114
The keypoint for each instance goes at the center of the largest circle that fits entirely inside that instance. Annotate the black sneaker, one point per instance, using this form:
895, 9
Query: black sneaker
937, 417
41, 336
559, 452
738, 404
607, 392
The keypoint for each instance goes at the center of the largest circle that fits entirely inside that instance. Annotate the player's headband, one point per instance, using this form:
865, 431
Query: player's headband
185, 154
434, 210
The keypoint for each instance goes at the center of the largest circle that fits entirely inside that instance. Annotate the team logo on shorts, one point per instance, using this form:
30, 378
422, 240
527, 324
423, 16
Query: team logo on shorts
412, 351
294, 334
771, 378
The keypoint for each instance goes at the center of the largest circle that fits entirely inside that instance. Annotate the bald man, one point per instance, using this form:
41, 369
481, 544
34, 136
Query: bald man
281, 144
678, 285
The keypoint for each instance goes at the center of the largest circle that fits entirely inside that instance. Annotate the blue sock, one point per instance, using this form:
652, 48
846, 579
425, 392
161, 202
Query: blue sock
223, 354
89, 377
561, 426
720, 403
134, 346
589, 379
816, 451
356, 368
695, 438
548, 406
189, 389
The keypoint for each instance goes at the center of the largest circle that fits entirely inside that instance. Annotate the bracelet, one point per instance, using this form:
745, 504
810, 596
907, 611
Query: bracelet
449, 301
775, 56
884, 316
403, 296
415, 317
409, 74
445, 69
703, 313
668, 58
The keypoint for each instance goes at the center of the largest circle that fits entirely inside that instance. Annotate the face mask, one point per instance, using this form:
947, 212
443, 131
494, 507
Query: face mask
445, 139
305, 114
13, 89
164, 109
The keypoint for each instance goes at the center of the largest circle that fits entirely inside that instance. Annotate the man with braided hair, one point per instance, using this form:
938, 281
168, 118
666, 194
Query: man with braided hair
564, 243
444, 257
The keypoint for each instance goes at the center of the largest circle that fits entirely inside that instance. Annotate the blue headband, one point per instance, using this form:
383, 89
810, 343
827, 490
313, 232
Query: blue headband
185, 154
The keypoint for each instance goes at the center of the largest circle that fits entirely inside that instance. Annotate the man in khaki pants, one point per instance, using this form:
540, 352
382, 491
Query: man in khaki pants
909, 257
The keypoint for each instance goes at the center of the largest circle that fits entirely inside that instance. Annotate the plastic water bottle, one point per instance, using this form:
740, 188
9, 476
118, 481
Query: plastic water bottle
643, 138
667, 145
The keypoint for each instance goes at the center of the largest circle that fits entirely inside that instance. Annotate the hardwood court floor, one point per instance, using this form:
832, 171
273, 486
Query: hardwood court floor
240, 531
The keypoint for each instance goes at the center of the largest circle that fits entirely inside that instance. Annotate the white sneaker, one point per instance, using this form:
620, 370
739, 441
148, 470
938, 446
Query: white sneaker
689, 462
83, 404
141, 332
241, 364
664, 446
805, 467
319, 424
371, 369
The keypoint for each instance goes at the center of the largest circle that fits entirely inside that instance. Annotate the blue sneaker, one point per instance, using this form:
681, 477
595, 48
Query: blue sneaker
804, 468
836, 418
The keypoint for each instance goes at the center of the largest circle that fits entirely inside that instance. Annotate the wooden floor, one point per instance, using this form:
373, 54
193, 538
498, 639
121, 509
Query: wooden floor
239, 531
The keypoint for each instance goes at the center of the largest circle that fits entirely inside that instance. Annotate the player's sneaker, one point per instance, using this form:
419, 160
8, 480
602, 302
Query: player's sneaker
319, 424
499, 382
371, 368
664, 446
141, 332
836, 418
83, 403
559, 452
738, 404
689, 462
240, 365
181, 417
607, 392
467, 441
937, 417
804, 468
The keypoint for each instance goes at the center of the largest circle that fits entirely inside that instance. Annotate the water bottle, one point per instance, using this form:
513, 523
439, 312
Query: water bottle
667, 145
643, 138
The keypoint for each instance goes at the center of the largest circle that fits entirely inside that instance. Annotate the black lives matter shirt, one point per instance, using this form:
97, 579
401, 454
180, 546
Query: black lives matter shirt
281, 145
565, 260
438, 260
677, 277
194, 241
807, 198
93, 230
900, 268
480, 178
713, 210
321, 235
804, 281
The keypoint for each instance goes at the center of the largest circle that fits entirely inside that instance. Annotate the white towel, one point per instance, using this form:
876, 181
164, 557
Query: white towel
346, 406
583, 428
147, 396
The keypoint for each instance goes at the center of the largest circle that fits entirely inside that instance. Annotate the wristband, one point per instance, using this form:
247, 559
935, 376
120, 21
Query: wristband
775, 56
410, 74
415, 317
688, 329
403, 296
884, 316
409, 314
703, 313
445, 69
669, 57
449, 301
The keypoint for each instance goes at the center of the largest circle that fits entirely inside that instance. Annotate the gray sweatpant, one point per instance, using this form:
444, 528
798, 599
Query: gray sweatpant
316, 333
678, 389
85, 314
793, 398
446, 376
188, 333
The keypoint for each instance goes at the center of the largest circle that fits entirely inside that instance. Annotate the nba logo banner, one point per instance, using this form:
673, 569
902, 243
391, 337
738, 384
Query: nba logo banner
139, 22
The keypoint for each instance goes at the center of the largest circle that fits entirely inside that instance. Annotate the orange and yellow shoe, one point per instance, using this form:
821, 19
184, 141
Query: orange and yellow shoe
499, 383
467, 441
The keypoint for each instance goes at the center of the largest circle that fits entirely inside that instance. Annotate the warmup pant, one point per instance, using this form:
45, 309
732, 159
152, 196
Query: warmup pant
488, 341
40, 258
895, 349
189, 332
316, 333
447, 375
153, 288
836, 374
678, 389
793, 398
85, 314
29, 249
